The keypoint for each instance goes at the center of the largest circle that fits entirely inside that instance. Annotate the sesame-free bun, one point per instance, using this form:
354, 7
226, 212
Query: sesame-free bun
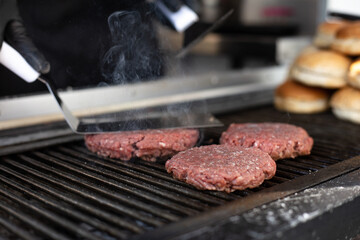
347, 40
326, 31
353, 77
295, 97
321, 68
345, 104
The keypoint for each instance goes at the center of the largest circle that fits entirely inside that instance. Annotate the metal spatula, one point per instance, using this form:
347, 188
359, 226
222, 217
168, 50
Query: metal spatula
185, 20
11, 59
196, 32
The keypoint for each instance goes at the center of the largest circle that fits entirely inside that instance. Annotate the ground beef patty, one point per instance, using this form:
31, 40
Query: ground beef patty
147, 145
280, 140
222, 167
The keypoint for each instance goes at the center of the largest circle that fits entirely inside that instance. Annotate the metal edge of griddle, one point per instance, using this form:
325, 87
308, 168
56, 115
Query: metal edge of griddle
119, 98
44, 137
243, 205
37, 144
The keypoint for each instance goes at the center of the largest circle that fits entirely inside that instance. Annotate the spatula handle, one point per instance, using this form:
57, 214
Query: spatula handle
13, 60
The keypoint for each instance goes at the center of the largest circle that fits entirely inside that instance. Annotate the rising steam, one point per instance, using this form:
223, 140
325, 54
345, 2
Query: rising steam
134, 55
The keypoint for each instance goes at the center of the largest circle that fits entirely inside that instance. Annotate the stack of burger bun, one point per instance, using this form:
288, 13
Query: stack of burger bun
326, 74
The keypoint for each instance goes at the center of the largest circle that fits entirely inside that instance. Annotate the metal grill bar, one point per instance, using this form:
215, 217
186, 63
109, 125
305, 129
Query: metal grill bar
210, 218
315, 163
150, 168
49, 216
18, 231
30, 221
301, 165
137, 171
290, 169
62, 180
285, 174
101, 187
73, 201
120, 181
58, 207
160, 167
65, 191
277, 179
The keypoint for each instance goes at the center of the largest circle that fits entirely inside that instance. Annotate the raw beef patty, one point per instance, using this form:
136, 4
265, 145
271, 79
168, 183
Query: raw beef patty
147, 145
222, 167
280, 140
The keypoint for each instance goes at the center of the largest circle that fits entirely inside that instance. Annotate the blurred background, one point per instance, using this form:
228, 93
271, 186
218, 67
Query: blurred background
78, 40
258, 34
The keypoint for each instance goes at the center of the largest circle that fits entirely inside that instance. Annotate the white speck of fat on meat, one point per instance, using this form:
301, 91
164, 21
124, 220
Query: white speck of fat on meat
162, 144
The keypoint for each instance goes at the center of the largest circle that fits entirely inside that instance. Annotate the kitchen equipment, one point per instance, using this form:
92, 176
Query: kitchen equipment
186, 21
11, 59
267, 18
63, 191
52, 187
211, 92
348, 10
195, 33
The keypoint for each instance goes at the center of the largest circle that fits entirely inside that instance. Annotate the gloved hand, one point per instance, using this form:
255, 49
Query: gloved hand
13, 32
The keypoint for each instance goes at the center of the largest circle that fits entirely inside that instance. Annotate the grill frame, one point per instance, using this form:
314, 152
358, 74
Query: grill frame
178, 208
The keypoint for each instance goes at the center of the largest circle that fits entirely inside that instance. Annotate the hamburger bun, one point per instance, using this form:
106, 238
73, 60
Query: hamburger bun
305, 50
321, 68
326, 32
295, 97
347, 40
345, 104
353, 77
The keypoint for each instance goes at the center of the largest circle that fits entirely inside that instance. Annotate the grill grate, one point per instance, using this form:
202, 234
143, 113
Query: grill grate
64, 191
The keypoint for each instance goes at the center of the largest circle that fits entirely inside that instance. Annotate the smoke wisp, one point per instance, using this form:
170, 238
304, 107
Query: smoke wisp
134, 55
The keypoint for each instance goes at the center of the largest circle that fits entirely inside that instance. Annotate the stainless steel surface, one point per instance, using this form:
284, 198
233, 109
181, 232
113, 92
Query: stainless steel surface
195, 33
305, 14
69, 117
288, 49
138, 121
146, 121
65, 191
216, 92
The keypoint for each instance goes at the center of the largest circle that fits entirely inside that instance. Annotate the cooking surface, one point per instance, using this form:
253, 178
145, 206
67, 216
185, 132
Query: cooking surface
64, 191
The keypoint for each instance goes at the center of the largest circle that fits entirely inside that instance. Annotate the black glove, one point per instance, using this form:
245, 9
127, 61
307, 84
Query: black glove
13, 32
